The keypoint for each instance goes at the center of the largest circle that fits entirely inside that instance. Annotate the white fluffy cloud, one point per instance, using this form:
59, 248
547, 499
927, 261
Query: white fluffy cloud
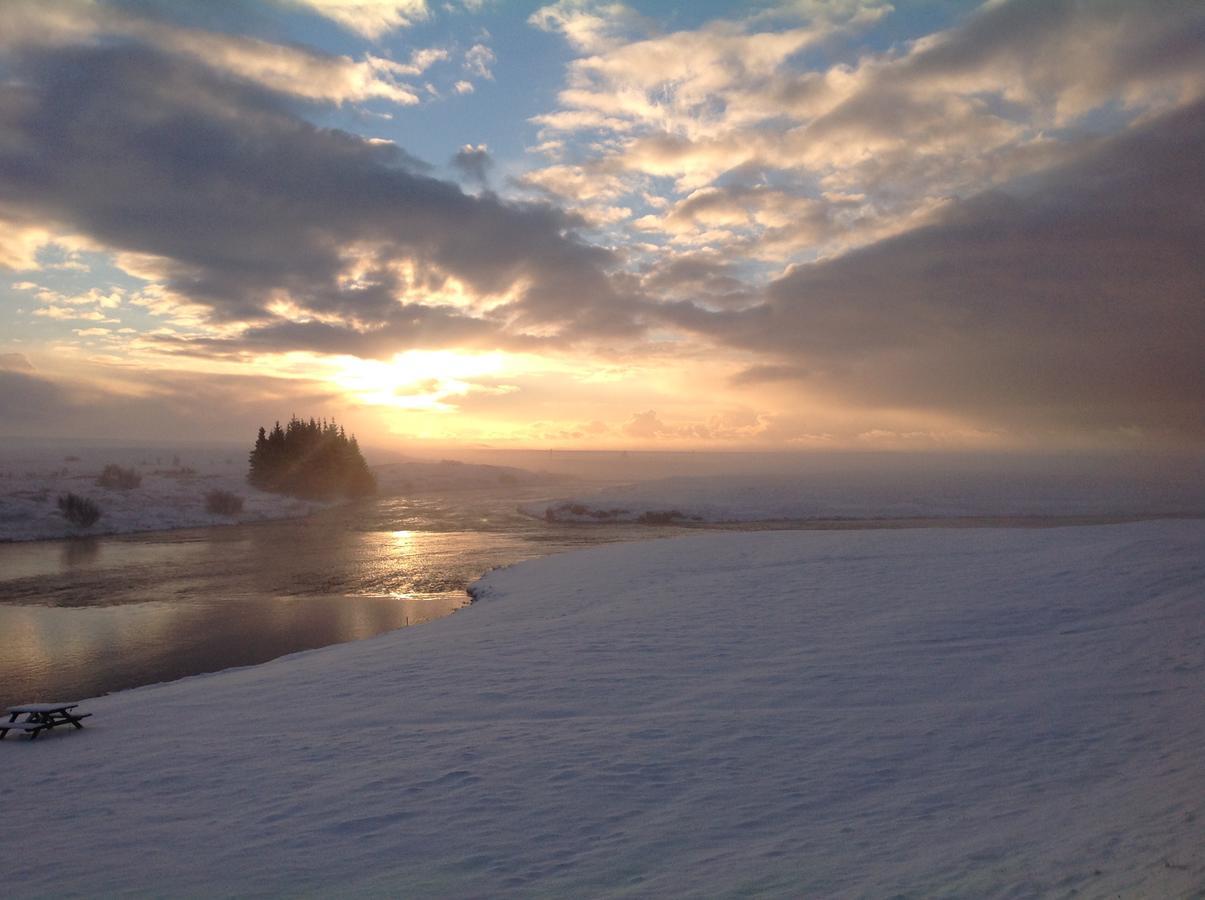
589, 26
479, 60
369, 18
807, 160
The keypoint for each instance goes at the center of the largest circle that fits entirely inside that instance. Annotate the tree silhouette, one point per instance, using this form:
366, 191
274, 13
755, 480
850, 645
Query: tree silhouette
309, 459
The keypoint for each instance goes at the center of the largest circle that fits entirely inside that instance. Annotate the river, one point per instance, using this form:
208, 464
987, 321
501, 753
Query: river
82, 618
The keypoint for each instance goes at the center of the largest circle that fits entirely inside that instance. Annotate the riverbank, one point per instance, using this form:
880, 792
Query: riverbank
174, 485
973, 712
891, 494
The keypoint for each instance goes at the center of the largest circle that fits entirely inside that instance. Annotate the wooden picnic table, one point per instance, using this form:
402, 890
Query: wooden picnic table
40, 717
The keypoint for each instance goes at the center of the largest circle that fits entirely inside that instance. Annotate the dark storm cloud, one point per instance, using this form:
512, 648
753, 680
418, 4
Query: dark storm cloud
1074, 297
249, 202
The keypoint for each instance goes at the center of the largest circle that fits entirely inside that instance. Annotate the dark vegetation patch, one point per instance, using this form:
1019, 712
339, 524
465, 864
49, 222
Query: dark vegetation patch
223, 503
310, 459
79, 511
115, 477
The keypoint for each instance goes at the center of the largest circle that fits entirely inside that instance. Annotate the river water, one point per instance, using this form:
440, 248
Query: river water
86, 617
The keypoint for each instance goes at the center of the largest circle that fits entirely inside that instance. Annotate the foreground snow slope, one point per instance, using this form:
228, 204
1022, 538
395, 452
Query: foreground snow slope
967, 713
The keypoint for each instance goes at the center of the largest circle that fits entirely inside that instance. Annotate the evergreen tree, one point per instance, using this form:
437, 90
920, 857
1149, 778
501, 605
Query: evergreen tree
309, 459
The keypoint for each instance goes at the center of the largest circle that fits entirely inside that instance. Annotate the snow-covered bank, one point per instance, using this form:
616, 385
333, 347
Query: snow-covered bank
933, 712
883, 494
175, 483
172, 492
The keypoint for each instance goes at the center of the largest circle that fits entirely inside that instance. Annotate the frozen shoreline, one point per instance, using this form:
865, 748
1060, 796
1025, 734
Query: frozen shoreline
174, 485
976, 712
877, 495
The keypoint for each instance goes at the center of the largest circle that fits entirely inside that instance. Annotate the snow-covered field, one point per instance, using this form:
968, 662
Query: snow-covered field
175, 482
881, 494
417, 476
940, 712
171, 495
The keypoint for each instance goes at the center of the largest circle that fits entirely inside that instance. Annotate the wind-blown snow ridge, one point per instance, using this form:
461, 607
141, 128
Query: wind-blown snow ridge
978, 713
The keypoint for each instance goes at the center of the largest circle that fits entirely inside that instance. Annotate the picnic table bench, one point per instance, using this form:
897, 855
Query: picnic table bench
40, 717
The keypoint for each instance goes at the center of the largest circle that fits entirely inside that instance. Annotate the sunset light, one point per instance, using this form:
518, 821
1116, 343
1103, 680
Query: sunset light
417, 379
602, 448
849, 224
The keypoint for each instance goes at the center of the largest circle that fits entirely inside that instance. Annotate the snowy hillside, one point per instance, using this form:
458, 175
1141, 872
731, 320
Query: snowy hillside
969, 713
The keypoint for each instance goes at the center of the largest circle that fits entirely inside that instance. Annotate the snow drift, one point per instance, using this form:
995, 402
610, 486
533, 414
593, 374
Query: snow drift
979, 713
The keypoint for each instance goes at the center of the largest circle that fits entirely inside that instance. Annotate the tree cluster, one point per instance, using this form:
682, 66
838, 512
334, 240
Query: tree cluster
309, 459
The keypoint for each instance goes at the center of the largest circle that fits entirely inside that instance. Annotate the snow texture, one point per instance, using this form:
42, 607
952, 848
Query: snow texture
878, 495
929, 712
174, 486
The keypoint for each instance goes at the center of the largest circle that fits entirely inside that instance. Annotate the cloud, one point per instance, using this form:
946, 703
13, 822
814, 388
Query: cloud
873, 143
244, 208
841, 10
212, 405
368, 18
479, 60
26, 399
27, 245
997, 226
285, 68
734, 424
591, 27
645, 425
421, 60
761, 374
571, 182
709, 279
1069, 299
15, 362
473, 163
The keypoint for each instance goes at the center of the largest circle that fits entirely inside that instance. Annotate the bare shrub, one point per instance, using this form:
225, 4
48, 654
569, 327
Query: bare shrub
114, 476
223, 503
78, 510
660, 517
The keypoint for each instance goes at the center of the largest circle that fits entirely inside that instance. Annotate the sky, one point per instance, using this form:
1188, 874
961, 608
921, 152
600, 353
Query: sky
773, 225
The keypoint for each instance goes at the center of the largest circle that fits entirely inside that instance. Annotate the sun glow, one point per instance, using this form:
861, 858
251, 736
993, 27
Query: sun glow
417, 379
